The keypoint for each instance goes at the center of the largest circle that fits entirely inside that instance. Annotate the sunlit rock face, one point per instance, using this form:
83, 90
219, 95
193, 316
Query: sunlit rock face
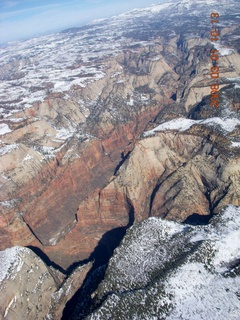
32, 290
26, 285
112, 120
107, 126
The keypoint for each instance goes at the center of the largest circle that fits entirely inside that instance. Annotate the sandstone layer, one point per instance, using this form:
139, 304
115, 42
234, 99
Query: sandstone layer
172, 175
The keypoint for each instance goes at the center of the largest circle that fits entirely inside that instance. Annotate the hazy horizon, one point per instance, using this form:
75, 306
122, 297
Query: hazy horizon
27, 18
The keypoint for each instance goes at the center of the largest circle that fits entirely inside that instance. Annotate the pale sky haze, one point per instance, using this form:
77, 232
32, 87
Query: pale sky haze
21, 19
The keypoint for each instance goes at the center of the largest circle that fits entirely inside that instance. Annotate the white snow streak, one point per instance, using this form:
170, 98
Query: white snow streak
10, 260
4, 128
182, 124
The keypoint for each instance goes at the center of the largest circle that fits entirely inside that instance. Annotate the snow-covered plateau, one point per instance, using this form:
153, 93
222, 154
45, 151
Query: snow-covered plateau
164, 270
31, 69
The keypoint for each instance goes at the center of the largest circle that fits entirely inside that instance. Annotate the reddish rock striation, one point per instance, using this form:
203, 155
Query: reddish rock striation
49, 202
171, 175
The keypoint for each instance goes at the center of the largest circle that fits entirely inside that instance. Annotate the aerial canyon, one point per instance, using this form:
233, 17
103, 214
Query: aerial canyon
107, 130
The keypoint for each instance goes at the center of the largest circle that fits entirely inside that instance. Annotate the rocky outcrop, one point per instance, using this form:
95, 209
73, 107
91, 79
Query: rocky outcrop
30, 289
172, 175
67, 290
73, 167
26, 285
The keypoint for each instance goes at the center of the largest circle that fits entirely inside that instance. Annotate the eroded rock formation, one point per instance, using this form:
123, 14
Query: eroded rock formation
63, 151
118, 132
30, 289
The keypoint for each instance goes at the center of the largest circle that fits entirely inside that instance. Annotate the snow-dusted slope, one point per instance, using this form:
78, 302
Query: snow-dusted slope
227, 125
25, 285
29, 289
9, 261
182, 124
57, 62
32, 69
164, 270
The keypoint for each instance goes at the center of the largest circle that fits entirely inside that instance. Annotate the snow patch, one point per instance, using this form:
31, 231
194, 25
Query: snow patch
10, 260
116, 74
8, 148
130, 102
227, 245
27, 158
193, 286
47, 150
227, 124
200, 295
235, 144
64, 134
16, 120
223, 51
4, 128
9, 203
182, 124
